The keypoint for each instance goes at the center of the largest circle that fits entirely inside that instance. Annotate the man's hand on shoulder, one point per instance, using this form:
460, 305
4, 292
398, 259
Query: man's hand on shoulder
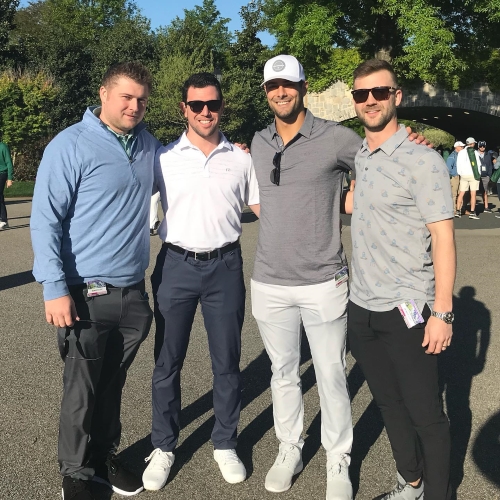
417, 138
243, 147
61, 312
437, 336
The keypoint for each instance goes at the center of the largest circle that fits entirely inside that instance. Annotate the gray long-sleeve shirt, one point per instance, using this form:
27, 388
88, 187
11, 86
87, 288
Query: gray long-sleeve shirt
299, 238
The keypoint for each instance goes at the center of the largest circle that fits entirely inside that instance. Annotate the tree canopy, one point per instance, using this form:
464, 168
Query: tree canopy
437, 41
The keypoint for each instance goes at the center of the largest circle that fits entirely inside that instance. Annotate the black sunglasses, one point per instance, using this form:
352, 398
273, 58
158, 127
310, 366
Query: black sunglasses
199, 106
276, 171
378, 93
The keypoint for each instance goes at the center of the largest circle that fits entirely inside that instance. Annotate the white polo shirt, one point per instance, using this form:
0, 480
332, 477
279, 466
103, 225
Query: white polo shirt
203, 196
464, 167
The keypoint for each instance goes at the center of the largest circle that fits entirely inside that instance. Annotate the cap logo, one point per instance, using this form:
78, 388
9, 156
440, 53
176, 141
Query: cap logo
278, 65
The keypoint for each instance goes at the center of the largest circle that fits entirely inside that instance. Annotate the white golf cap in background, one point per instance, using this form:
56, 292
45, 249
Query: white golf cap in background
470, 140
459, 143
284, 67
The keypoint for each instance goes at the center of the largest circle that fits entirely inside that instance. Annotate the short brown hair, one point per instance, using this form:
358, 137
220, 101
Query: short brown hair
372, 66
134, 70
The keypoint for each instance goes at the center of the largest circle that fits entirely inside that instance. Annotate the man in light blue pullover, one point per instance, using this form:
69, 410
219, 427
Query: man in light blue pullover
90, 236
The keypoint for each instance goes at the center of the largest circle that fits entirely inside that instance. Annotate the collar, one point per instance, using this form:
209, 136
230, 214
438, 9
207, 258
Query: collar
185, 143
391, 144
305, 130
95, 111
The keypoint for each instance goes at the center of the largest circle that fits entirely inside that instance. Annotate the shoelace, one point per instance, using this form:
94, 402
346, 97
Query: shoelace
159, 460
230, 457
285, 457
338, 469
395, 492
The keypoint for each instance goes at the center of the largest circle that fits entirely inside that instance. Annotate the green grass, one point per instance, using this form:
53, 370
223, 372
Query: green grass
19, 188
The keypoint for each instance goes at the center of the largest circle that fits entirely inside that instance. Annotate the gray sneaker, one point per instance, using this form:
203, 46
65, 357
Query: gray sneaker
405, 491
338, 485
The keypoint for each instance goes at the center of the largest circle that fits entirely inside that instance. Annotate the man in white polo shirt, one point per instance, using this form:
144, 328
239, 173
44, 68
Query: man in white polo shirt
204, 182
469, 176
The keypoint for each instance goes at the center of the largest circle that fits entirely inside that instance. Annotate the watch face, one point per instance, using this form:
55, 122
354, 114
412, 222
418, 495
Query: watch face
449, 317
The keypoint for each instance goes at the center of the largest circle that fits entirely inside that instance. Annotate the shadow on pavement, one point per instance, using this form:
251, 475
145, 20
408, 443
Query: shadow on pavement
16, 202
256, 377
486, 450
457, 367
18, 279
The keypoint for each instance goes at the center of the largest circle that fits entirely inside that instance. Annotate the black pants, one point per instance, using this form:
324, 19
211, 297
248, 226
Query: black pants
404, 383
3, 208
97, 352
179, 283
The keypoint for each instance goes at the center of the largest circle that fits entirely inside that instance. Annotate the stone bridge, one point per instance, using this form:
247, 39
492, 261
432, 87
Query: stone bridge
474, 112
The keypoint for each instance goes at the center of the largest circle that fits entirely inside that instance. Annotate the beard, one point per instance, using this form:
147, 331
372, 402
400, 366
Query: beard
385, 116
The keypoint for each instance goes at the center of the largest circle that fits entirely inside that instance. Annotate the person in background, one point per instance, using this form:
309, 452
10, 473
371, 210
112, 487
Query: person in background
451, 163
5, 181
468, 170
485, 169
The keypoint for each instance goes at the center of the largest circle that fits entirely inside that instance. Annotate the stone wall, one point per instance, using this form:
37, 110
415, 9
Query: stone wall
335, 103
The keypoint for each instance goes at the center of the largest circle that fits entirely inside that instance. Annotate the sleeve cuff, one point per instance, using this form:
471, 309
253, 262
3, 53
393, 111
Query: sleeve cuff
55, 290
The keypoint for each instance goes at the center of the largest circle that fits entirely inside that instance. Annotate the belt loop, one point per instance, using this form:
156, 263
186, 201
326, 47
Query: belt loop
219, 253
185, 255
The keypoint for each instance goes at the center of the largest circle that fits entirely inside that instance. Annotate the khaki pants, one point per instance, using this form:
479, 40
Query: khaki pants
454, 181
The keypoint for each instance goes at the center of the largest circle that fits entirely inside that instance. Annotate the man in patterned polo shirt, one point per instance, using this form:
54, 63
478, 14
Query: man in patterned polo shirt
399, 314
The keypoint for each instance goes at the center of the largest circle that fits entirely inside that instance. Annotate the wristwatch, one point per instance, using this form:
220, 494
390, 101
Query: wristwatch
447, 317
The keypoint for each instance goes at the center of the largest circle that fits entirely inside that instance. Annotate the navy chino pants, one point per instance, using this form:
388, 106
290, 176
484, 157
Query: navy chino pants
179, 283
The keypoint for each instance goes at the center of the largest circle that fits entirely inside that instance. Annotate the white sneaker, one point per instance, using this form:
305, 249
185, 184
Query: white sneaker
338, 483
287, 464
156, 474
231, 467
3, 224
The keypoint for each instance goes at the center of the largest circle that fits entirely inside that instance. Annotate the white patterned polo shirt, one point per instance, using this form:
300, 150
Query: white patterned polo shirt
400, 188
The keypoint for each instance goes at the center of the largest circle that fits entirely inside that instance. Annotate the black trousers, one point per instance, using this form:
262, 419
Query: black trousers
404, 383
179, 283
97, 352
3, 208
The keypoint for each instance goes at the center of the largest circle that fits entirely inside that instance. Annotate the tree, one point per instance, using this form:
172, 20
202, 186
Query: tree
247, 110
76, 41
25, 123
437, 41
198, 42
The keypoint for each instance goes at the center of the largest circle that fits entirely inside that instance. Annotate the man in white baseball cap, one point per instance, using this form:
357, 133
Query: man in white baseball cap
451, 163
284, 67
300, 277
467, 168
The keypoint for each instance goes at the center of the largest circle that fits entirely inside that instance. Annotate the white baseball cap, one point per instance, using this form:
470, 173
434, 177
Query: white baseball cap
284, 67
459, 143
470, 140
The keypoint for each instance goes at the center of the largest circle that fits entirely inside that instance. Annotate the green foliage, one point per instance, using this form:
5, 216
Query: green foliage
20, 188
76, 41
246, 105
7, 13
439, 138
437, 41
25, 123
164, 116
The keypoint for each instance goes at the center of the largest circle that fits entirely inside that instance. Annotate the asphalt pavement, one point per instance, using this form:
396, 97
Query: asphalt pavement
30, 390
